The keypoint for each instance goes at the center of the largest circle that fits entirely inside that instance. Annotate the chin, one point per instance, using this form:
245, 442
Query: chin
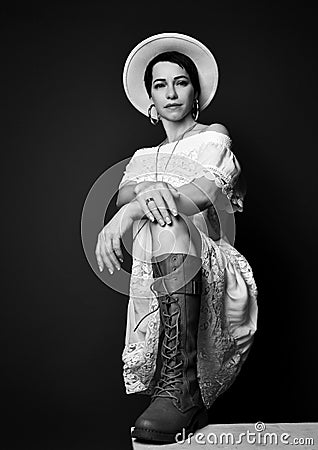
175, 117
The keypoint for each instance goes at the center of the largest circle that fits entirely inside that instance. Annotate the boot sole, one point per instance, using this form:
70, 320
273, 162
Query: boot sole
198, 421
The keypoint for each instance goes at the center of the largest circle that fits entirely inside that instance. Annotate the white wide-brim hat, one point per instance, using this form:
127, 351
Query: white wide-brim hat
145, 51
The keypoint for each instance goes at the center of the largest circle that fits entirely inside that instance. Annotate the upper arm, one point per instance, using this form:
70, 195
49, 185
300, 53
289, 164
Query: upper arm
219, 128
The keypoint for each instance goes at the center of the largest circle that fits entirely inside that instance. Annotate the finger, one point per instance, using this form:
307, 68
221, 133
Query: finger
160, 212
145, 207
169, 199
152, 207
98, 256
175, 194
240, 202
117, 248
104, 250
111, 255
142, 199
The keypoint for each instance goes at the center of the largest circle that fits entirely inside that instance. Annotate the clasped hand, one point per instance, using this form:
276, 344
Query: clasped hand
163, 200
108, 249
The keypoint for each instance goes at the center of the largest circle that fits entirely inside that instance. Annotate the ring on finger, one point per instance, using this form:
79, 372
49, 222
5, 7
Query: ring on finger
150, 199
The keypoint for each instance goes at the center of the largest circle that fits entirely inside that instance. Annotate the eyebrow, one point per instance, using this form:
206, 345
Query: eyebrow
175, 78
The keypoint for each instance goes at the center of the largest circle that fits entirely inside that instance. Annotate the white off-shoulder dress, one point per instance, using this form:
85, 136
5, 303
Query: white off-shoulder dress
228, 315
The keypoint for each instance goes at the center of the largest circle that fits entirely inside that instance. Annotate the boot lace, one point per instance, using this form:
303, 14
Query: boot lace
171, 372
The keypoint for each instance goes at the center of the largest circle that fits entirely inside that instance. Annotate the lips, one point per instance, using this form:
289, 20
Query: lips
173, 105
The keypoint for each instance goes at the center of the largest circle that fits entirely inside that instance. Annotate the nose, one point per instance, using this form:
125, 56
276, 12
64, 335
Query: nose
171, 92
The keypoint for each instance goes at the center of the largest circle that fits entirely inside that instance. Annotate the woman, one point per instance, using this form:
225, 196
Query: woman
192, 309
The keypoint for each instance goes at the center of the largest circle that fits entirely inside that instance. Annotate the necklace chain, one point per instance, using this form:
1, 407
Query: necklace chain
160, 145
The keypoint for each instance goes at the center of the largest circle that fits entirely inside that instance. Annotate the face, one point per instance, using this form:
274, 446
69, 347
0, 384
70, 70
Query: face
171, 91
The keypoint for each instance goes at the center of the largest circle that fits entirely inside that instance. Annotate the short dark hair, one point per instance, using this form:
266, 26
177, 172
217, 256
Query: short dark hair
178, 58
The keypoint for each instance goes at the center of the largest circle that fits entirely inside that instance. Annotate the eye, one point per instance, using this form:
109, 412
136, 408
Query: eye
158, 85
183, 83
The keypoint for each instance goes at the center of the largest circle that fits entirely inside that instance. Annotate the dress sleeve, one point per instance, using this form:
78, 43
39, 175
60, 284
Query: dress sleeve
218, 163
132, 171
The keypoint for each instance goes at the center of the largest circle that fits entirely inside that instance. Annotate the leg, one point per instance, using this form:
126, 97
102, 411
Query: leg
176, 403
181, 236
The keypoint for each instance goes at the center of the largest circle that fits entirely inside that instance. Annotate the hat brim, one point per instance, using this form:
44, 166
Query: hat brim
145, 51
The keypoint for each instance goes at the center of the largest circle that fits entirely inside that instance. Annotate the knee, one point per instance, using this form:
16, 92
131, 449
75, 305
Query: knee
178, 227
181, 234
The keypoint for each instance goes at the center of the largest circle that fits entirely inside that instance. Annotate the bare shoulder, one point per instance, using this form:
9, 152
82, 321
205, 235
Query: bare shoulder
219, 128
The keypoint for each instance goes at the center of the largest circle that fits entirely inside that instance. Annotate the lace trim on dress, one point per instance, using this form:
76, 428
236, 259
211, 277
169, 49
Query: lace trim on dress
221, 353
140, 358
227, 186
220, 357
141, 157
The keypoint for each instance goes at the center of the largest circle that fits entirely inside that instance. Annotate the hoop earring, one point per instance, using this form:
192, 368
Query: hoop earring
153, 120
195, 110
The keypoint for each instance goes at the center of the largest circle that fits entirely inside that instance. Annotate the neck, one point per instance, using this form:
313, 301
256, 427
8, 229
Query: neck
175, 129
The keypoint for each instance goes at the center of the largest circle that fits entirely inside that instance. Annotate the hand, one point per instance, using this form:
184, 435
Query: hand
163, 195
108, 250
239, 193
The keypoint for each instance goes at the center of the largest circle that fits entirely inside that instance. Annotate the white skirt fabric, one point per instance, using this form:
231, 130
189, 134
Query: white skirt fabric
228, 318
228, 315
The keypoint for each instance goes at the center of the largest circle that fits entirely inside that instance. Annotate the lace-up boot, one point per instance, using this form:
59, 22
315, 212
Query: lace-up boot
176, 405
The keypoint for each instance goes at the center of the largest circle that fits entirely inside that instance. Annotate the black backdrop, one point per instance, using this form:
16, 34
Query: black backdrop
67, 121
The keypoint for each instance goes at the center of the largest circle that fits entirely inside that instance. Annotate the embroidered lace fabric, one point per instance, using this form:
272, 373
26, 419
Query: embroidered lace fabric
228, 316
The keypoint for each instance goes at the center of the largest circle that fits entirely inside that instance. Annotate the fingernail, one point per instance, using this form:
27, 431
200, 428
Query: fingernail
161, 222
174, 212
152, 218
121, 260
168, 220
100, 268
118, 267
111, 271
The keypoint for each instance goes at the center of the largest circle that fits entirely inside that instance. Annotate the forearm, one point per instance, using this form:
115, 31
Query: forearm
126, 194
135, 210
129, 192
196, 196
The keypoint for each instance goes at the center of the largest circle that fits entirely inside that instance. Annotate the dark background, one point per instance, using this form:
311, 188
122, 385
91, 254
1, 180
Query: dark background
66, 121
